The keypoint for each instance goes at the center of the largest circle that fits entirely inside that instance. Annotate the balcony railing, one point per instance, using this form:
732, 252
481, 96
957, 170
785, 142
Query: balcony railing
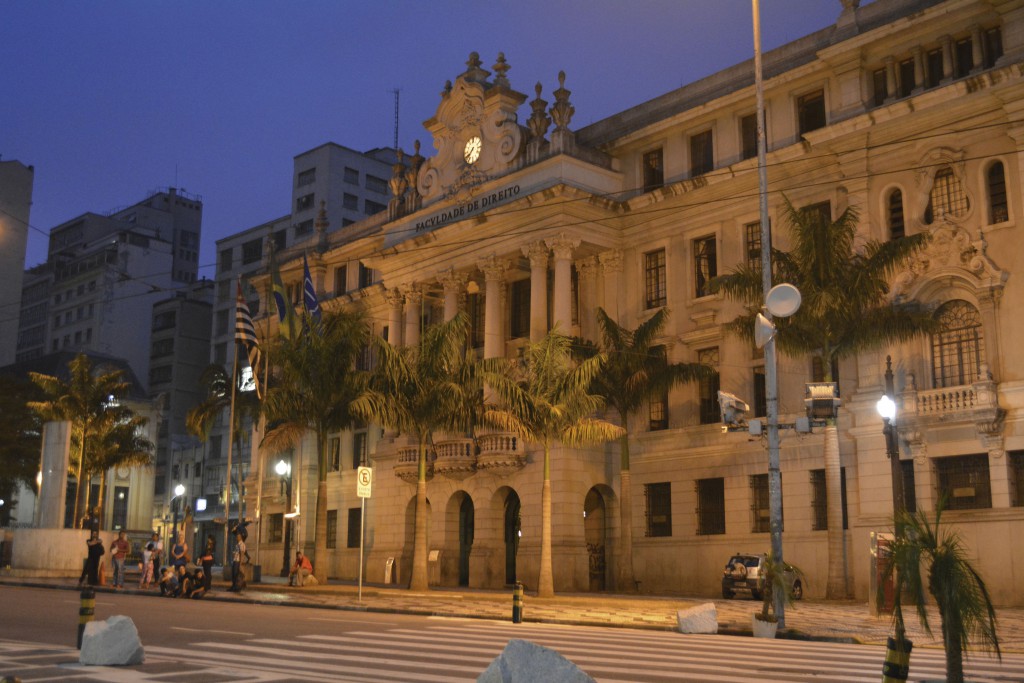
501, 453
456, 458
407, 466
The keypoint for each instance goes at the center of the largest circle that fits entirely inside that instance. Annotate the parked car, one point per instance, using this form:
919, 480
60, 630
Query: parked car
742, 574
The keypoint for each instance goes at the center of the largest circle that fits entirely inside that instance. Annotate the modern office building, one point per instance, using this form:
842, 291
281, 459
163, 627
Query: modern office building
908, 110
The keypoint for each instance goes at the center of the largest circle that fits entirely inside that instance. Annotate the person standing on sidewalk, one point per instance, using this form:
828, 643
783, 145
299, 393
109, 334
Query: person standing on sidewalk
179, 551
158, 555
91, 572
239, 556
118, 552
206, 559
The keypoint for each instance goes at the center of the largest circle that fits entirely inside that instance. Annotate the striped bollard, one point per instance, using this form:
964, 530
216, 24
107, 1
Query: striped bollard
517, 603
897, 661
85, 612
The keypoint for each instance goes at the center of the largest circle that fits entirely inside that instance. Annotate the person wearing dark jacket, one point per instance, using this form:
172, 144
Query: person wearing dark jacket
206, 559
92, 560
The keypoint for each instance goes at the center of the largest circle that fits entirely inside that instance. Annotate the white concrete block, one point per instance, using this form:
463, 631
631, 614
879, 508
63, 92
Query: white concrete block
114, 642
700, 619
524, 662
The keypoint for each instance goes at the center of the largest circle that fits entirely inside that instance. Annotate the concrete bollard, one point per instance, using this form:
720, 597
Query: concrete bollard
86, 611
897, 661
517, 603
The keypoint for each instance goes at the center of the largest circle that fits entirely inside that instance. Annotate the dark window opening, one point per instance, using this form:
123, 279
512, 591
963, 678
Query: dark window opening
811, 111
654, 170
964, 482
897, 227
659, 509
710, 506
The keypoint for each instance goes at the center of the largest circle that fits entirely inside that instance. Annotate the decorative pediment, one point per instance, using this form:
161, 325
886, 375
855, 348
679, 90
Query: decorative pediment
475, 130
951, 253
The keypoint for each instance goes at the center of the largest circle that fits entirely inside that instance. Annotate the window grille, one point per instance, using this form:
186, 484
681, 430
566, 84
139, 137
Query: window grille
897, 227
958, 350
710, 506
705, 264
819, 500
811, 111
653, 169
760, 521
658, 412
947, 197
753, 242
964, 482
658, 498
332, 529
998, 209
702, 154
654, 275
275, 527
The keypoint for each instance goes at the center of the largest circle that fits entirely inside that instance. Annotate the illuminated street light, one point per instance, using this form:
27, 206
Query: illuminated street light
284, 470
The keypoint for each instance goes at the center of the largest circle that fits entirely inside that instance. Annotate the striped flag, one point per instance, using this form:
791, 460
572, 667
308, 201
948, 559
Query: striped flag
285, 313
245, 334
309, 292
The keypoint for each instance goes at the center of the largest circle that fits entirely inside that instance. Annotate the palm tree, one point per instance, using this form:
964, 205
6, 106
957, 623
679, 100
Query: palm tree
315, 382
635, 371
419, 390
119, 440
82, 400
965, 608
845, 311
550, 401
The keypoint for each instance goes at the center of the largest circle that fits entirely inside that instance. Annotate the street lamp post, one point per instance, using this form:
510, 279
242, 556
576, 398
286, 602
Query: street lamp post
284, 470
179, 491
887, 409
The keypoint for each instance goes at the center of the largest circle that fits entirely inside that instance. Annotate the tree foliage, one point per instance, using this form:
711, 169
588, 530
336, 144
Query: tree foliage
20, 430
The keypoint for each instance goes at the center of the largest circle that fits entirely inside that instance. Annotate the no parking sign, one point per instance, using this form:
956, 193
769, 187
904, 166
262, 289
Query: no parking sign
364, 477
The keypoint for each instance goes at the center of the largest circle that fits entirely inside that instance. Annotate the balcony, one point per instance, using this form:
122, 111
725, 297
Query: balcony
976, 403
456, 458
501, 453
407, 467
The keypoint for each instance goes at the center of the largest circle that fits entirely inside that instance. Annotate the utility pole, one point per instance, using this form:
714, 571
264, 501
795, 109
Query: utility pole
396, 92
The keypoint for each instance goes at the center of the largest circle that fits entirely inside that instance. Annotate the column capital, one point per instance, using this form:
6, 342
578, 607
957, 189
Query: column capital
394, 296
453, 281
562, 246
538, 253
493, 267
587, 268
413, 292
611, 261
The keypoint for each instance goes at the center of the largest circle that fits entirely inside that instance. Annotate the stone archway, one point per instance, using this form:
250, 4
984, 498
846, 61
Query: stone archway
466, 530
595, 530
511, 526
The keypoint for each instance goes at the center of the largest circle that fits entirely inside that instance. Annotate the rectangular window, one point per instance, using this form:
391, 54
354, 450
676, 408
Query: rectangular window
375, 184
752, 232
1017, 478
760, 393
906, 74
332, 529
220, 353
305, 202
252, 251
657, 415
334, 454
358, 448
748, 135
340, 280
350, 201
933, 66
702, 154
355, 516
307, 177
710, 506
655, 285
879, 87
275, 527
370, 207
281, 240
964, 481
365, 276
810, 110
819, 500
120, 517
708, 387
351, 176
992, 46
909, 486
654, 170
225, 259
519, 309
705, 264
963, 57
659, 509
475, 309
303, 228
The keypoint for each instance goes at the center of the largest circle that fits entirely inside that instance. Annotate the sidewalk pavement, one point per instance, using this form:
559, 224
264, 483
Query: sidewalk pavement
839, 621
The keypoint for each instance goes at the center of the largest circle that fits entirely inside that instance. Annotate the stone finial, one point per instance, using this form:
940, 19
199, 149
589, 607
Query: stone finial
539, 120
474, 72
562, 111
501, 68
399, 181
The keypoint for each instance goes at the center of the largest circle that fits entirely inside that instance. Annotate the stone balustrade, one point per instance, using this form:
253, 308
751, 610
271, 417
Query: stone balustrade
456, 458
407, 465
501, 453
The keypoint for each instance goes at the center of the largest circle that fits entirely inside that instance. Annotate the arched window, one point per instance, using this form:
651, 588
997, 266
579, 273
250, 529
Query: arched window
998, 210
958, 350
947, 196
895, 210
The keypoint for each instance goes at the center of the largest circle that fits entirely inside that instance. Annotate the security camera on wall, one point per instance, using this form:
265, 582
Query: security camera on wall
732, 407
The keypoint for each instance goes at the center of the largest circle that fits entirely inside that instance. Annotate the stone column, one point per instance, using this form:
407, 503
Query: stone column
562, 247
947, 58
977, 54
587, 268
918, 69
394, 298
413, 310
538, 255
55, 462
890, 78
611, 266
494, 273
454, 291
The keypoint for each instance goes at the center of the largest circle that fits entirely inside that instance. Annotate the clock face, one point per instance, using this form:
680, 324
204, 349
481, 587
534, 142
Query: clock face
472, 151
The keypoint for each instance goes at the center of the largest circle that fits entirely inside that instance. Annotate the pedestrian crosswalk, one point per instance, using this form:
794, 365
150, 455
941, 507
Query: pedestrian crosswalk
458, 650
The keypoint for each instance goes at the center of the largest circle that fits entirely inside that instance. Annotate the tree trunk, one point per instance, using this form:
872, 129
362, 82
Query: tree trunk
320, 523
954, 660
627, 579
545, 582
80, 500
101, 498
418, 582
836, 588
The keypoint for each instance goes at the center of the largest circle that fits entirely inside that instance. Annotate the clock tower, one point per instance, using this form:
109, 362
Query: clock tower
475, 130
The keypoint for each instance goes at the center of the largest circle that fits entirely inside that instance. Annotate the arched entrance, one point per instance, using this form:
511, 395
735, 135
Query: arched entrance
512, 526
465, 538
594, 532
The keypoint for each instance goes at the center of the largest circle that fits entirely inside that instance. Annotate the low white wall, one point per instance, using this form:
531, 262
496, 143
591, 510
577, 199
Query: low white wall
51, 552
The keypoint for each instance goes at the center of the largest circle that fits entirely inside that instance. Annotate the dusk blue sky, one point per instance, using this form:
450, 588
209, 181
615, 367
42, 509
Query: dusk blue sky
110, 100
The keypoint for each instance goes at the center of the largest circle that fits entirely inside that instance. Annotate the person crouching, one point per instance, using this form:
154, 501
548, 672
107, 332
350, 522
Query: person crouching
301, 570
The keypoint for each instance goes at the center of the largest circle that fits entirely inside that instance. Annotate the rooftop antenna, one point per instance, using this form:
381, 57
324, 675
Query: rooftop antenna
396, 92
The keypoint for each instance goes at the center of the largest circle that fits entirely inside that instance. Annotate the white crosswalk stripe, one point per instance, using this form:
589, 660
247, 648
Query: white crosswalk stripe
456, 650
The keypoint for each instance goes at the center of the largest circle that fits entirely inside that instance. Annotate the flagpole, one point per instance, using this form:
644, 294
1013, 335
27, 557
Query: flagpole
262, 431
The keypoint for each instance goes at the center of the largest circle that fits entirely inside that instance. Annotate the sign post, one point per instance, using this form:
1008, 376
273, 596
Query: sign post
364, 478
